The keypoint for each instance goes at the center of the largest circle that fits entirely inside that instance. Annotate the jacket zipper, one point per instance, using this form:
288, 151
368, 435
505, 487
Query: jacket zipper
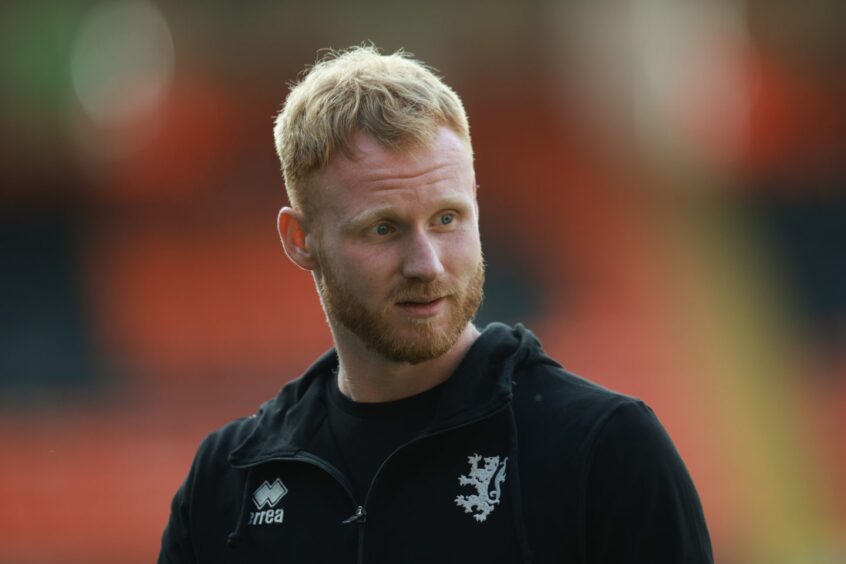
360, 515
361, 511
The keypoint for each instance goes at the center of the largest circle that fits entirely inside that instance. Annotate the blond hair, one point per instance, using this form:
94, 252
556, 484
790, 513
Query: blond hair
395, 98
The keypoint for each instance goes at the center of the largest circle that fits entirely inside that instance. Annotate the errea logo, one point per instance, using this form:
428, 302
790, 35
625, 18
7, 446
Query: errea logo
267, 496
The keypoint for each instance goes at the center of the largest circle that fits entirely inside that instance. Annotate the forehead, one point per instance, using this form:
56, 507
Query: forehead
375, 175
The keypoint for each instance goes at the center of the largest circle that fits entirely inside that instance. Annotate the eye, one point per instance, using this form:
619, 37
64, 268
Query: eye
382, 229
447, 218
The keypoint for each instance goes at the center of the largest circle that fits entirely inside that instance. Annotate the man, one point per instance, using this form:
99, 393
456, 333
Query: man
419, 438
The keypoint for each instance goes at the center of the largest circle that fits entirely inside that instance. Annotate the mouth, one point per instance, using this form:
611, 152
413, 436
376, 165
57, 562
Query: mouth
421, 307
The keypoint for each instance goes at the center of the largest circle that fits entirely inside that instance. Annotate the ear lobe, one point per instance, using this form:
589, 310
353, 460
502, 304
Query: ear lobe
295, 238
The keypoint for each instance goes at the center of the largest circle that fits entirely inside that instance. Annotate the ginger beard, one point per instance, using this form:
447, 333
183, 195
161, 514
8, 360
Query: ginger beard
376, 328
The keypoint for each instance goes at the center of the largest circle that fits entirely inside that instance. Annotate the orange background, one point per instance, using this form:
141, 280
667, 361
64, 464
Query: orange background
662, 202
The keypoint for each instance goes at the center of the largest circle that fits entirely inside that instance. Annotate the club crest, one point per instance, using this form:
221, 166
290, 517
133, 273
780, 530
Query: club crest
487, 495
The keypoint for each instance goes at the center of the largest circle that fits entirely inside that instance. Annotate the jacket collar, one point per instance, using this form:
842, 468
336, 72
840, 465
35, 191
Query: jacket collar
480, 386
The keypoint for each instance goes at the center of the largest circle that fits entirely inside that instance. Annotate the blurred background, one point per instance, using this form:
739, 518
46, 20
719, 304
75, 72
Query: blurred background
662, 195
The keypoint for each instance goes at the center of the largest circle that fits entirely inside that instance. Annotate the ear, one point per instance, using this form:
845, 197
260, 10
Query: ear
296, 240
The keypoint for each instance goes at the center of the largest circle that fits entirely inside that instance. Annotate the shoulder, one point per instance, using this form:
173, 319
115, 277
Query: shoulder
633, 450
556, 409
216, 446
639, 498
547, 395
254, 432
561, 420
608, 455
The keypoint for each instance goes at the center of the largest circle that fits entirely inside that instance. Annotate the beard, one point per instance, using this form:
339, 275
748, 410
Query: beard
376, 328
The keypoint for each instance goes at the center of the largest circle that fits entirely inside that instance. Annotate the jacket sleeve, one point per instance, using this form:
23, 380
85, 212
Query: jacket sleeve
641, 504
176, 539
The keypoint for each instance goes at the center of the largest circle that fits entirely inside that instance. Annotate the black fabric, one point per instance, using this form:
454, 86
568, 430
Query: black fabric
599, 480
360, 436
636, 470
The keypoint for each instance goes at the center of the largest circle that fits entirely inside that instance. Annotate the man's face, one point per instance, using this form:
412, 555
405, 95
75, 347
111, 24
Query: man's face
397, 242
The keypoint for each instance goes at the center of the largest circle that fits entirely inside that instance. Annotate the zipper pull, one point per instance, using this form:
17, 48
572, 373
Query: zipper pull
359, 517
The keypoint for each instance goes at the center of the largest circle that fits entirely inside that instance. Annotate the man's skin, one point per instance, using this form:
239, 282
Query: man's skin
386, 220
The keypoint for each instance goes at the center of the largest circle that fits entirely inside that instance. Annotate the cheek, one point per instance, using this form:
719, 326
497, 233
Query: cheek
366, 272
465, 253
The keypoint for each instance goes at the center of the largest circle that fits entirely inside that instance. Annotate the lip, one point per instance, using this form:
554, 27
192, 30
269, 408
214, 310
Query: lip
427, 309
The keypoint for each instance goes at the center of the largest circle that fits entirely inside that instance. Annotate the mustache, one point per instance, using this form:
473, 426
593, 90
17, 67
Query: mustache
418, 291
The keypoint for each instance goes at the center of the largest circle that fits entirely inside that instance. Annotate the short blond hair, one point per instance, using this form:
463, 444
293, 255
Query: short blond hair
395, 98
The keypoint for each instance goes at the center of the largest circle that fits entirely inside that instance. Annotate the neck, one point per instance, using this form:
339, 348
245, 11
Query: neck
366, 377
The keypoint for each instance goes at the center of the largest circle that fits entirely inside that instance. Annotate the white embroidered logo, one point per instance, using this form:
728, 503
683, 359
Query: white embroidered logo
268, 495
485, 498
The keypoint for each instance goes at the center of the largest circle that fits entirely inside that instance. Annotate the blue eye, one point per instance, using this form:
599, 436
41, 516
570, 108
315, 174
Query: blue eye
383, 229
447, 218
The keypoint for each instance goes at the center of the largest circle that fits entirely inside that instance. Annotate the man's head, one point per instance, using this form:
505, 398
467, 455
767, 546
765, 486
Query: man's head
378, 165
394, 98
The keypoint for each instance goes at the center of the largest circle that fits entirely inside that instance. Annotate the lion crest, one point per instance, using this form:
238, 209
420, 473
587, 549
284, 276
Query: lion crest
487, 496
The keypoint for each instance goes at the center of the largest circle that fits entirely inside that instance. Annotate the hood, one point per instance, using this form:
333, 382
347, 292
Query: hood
481, 385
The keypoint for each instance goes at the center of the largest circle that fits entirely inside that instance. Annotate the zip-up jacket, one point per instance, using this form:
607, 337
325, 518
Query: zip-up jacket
523, 462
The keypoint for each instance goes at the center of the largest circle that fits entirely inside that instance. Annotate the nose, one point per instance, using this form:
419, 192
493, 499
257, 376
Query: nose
422, 261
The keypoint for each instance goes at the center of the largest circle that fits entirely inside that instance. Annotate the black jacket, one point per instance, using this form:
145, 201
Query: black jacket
523, 462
